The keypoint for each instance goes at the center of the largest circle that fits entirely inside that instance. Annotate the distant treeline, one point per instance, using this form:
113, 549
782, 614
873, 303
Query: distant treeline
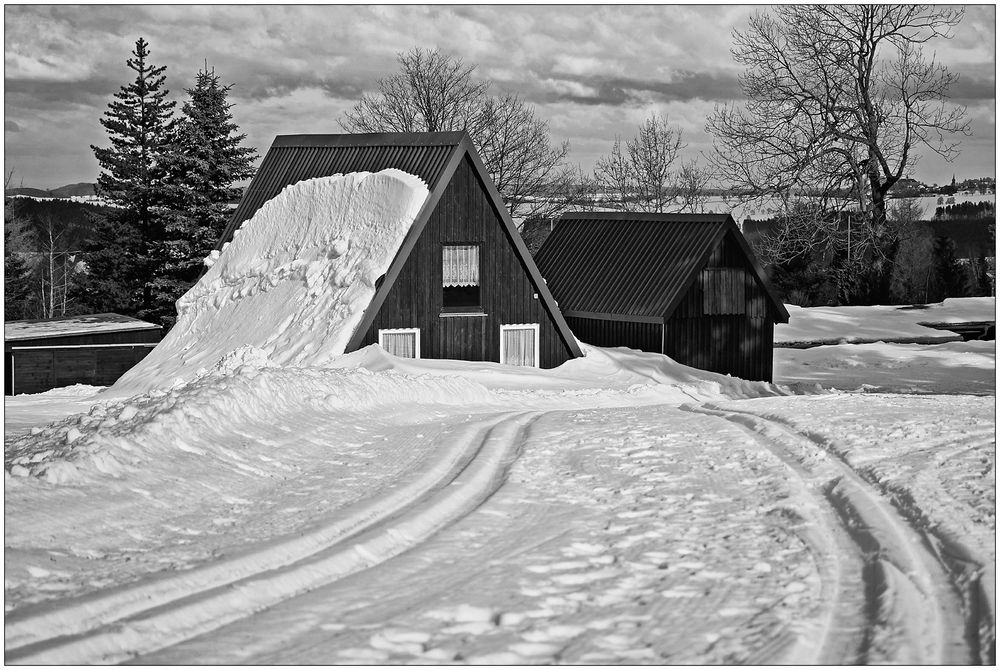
936, 259
966, 210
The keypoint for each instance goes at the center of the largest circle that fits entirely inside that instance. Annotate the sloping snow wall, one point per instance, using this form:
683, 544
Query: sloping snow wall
294, 282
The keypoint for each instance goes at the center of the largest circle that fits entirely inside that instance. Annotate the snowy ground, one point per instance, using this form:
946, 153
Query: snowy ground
620, 509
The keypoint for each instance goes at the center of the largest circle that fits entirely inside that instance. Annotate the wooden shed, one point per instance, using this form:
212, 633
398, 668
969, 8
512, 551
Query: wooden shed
685, 285
96, 349
462, 285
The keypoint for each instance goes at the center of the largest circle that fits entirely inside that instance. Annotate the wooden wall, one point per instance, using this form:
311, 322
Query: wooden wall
724, 322
603, 333
113, 337
724, 332
37, 370
465, 215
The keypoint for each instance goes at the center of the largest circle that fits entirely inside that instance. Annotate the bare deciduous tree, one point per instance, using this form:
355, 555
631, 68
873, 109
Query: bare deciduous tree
839, 99
435, 92
640, 177
432, 92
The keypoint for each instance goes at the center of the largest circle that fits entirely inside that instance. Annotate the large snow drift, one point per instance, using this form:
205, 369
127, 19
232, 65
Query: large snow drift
294, 282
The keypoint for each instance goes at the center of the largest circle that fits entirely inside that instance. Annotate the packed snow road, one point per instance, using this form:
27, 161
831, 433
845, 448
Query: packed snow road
644, 534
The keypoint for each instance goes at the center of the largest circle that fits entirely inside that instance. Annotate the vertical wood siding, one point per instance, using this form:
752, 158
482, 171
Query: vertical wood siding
37, 370
464, 215
712, 332
722, 324
605, 333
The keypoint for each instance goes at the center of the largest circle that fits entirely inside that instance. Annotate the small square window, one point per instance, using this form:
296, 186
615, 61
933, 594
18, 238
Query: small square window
460, 277
400, 342
519, 344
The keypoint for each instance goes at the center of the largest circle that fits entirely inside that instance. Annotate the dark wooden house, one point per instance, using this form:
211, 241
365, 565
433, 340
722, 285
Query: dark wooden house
94, 349
462, 285
685, 285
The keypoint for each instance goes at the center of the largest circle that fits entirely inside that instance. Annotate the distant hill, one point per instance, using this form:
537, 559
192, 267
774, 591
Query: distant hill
67, 191
83, 188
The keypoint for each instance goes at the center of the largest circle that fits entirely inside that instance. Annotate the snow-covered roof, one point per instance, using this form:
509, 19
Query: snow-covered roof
84, 324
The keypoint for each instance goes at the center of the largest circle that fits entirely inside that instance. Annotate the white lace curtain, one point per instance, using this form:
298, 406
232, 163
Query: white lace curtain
403, 345
461, 265
519, 346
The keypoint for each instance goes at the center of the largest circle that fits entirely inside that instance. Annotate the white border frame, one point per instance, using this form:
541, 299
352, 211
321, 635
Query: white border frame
398, 331
521, 326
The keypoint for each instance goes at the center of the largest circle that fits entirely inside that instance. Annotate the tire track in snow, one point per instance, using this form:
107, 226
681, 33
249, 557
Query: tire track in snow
914, 611
117, 625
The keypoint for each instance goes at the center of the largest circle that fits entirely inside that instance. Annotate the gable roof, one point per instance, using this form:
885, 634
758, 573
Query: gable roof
294, 158
635, 266
434, 157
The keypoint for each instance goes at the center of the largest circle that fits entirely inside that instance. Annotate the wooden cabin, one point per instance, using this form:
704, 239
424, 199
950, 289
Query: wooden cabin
95, 349
684, 285
462, 285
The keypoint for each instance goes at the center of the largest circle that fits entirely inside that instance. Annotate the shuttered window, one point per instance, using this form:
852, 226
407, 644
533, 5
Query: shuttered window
400, 342
724, 290
519, 344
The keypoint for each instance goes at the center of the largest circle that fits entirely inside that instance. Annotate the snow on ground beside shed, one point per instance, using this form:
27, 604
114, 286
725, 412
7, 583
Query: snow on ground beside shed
117, 435
23, 411
952, 367
293, 282
836, 325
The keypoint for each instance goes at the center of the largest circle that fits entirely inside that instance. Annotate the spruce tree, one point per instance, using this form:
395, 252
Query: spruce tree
125, 253
205, 160
15, 280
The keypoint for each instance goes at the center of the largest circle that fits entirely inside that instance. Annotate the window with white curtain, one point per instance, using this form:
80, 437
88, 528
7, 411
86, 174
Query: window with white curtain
460, 276
519, 344
400, 342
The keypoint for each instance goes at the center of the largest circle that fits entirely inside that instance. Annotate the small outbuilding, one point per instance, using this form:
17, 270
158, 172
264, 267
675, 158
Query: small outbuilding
96, 349
462, 285
685, 285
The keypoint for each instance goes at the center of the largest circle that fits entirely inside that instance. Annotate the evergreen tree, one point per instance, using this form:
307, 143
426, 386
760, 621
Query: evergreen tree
15, 279
205, 160
123, 254
949, 271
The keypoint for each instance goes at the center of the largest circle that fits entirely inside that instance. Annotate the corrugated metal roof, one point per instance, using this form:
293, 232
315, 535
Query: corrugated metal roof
293, 158
84, 324
630, 265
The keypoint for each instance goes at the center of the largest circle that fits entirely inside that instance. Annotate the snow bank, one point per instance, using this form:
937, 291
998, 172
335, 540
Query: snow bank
892, 323
295, 280
602, 370
952, 367
244, 390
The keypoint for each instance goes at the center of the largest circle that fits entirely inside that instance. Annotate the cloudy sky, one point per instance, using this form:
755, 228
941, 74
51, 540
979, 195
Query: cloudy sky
592, 72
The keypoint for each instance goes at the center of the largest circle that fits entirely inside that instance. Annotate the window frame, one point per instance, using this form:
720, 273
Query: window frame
536, 328
400, 331
452, 310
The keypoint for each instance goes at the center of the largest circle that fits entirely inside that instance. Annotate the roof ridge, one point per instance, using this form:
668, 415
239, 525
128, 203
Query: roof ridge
447, 138
713, 217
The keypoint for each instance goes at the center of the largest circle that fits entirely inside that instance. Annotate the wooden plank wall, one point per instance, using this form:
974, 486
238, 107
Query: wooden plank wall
465, 215
712, 332
606, 333
37, 370
114, 337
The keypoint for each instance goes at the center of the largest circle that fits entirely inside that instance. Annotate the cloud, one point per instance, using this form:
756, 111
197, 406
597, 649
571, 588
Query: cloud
10, 126
597, 90
591, 71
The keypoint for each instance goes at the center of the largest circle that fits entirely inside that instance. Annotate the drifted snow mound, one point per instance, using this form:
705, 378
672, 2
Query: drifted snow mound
243, 394
293, 283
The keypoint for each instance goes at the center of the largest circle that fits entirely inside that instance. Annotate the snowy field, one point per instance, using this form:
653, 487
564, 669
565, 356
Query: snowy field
225, 505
